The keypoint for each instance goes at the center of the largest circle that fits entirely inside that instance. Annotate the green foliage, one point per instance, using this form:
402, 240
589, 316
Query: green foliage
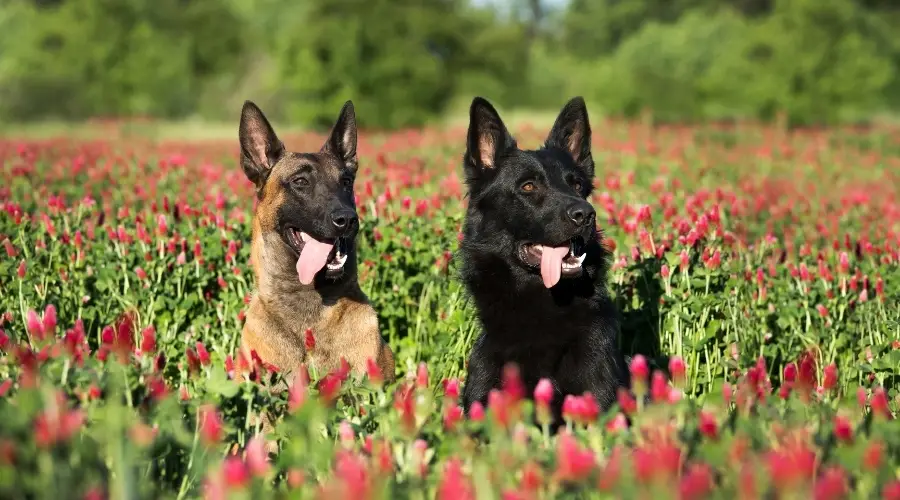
401, 61
675, 70
105, 57
406, 63
594, 28
819, 62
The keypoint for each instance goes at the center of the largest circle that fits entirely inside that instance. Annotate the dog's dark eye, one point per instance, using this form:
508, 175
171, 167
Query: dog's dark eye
347, 182
300, 181
528, 187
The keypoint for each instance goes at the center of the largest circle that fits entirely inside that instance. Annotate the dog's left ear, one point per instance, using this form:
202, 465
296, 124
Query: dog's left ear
572, 133
342, 141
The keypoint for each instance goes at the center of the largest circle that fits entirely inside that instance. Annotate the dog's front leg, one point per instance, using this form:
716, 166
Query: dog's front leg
607, 372
483, 374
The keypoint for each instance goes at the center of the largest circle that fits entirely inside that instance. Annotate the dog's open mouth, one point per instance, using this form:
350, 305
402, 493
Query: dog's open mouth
555, 262
314, 255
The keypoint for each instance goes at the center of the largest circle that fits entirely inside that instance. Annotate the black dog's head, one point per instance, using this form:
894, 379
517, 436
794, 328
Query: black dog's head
530, 208
305, 199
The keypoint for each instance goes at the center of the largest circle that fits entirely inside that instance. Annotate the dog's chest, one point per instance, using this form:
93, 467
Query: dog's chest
325, 339
322, 350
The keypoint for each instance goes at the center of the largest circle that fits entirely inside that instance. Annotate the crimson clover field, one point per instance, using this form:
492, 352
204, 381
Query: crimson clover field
756, 271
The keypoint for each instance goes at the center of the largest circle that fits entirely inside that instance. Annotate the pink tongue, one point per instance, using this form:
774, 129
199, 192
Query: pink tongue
551, 264
312, 258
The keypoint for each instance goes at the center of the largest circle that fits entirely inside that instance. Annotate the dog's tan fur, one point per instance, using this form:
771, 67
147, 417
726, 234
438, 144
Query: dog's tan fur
282, 309
343, 323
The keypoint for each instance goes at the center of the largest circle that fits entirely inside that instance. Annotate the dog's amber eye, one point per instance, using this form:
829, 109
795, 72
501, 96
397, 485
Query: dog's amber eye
347, 182
578, 187
300, 181
528, 187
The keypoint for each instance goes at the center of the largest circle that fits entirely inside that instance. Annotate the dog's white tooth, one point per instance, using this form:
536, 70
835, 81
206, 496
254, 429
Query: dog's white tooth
304, 236
581, 258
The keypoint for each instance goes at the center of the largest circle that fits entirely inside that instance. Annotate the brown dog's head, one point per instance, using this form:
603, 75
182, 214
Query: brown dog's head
306, 204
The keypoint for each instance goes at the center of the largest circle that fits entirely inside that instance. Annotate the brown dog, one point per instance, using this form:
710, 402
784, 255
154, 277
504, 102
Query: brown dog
303, 253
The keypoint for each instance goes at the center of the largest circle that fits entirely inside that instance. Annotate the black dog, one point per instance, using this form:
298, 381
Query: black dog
533, 263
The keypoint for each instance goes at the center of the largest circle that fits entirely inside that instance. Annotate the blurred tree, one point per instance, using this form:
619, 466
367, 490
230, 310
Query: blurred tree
594, 28
887, 15
820, 61
752, 7
401, 61
676, 70
405, 62
109, 57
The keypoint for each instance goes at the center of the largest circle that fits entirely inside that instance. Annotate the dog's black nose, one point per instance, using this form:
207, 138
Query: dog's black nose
343, 218
581, 214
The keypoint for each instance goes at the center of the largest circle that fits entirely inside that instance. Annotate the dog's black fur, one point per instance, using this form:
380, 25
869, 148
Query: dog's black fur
567, 333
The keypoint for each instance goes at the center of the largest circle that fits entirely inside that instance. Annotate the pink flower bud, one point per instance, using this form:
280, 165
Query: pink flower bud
659, 387
34, 325
677, 368
257, 457
685, 261
476, 412
639, 368
451, 389
202, 354
422, 376
790, 372
543, 392
843, 430
844, 263
49, 320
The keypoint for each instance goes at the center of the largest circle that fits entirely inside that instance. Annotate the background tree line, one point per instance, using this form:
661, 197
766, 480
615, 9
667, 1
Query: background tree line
405, 62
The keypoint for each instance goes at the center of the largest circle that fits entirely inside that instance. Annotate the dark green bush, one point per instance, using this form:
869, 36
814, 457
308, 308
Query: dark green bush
819, 62
676, 70
405, 62
400, 61
106, 57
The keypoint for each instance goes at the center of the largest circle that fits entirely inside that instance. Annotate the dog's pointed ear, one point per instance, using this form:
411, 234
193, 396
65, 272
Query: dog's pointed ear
260, 147
572, 133
342, 140
487, 138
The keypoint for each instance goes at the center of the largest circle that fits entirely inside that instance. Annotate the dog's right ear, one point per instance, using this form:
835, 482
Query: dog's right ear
487, 138
343, 138
260, 147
